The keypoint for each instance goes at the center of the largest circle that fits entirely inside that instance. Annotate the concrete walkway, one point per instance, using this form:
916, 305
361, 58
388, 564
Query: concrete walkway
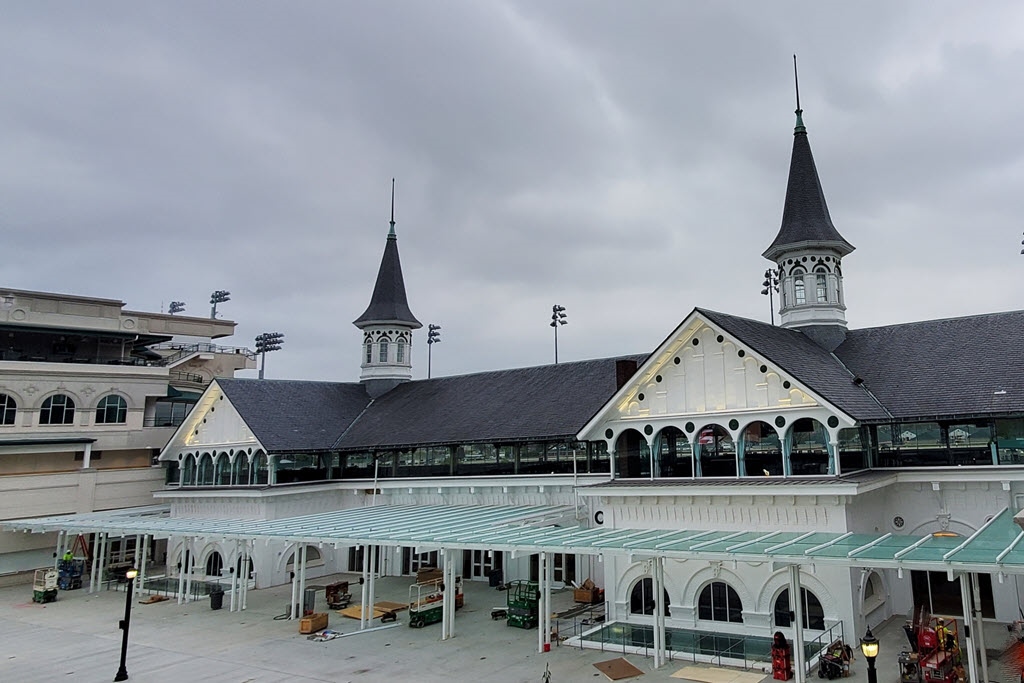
77, 638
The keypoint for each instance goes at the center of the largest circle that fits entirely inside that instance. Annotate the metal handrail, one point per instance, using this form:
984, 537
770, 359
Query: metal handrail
182, 350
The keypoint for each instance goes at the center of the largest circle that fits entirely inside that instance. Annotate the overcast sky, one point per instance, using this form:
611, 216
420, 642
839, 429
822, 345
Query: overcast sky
626, 160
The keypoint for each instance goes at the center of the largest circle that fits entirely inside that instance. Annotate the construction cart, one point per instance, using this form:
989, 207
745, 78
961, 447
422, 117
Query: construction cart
44, 585
426, 601
523, 597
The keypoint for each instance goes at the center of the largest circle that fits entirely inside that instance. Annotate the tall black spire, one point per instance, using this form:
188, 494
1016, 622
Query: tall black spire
389, 303
805, 217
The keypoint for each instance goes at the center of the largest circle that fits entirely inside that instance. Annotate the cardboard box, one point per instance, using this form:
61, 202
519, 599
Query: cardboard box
313, 623
588, 593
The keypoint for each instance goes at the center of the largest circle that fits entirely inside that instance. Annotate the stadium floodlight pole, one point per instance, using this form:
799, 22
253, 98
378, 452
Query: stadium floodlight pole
769, 287
557, 319
268, 341
218, 297
433, 337
176, 307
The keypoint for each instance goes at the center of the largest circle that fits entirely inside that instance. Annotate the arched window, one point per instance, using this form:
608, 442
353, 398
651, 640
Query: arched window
400, 353
641, 598
798, 287
369, 353
382, 357
8, 408
814, 615
58, 409
720, 602
111, 410
820, 285
214, 563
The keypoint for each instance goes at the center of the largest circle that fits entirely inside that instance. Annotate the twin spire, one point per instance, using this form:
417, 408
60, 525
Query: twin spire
388, 304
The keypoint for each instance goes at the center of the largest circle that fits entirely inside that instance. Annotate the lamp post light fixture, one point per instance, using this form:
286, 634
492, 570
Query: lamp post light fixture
218, 297
433, 337
869, 648
268, 341
557, 320
176, 307
122, 672
769, 287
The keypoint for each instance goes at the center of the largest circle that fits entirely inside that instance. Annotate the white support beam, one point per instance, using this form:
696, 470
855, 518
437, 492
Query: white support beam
977, 625
972, 653
797, 607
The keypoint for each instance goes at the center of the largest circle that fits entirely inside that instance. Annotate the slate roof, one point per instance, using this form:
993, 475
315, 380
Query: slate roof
955, 366
805, 217
550, 401
291, 415
388, 302
803, 360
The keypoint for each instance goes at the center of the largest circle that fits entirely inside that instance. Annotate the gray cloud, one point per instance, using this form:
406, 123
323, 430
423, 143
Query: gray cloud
625, 160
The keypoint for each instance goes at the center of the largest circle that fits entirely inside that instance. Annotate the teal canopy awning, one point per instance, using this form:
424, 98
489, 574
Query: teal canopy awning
995, 548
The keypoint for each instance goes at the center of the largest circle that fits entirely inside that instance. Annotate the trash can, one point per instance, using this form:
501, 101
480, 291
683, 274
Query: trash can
495, 577
216, 597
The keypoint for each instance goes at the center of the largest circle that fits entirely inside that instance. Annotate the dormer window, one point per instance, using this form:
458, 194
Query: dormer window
799, 293
382, 356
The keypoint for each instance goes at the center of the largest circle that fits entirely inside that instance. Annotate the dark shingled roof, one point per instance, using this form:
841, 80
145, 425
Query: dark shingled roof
507, 405
805, 361
295, 415
805, 218
956, 366
388, 303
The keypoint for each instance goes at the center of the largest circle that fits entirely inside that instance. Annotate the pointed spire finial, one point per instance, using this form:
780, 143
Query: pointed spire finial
799, 112
392, 233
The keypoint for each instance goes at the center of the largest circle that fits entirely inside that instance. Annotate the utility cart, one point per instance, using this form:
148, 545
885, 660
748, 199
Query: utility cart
523, 597
44, 585
338, 596
426, 601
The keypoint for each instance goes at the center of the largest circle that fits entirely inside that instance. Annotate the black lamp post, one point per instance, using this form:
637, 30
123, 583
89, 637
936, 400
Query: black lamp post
268, 341
869, 648
122, 673
433, 337
557, 318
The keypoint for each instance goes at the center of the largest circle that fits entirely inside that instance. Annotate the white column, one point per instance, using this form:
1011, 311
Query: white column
447, 595
244, 575
86, 456
295, 583
302, 581
372, 590
104, 559
797, 606
972, 654
548, 580
95, 563
363, 613
181, 571
59, 551
977, 626
233, 572
657, 585
187, 566
140, 582
542, 597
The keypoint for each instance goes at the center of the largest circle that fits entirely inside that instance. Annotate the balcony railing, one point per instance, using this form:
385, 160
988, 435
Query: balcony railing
183, 350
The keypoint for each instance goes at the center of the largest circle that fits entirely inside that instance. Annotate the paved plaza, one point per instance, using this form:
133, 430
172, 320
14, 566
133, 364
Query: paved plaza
77, 639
